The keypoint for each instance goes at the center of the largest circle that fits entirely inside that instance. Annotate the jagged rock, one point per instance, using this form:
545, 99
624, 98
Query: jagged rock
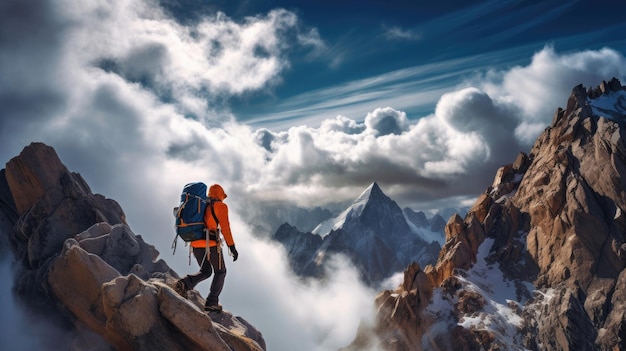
573, 191
82, 266
401, 324
53, 204
557, 321
32, 173
471, 339
469, 302
554, 218
462, 240
76, 270
613, 331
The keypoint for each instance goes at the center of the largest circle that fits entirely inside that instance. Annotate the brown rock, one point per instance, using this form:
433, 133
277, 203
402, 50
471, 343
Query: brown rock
30, 174
469, 302
83, 266
76, 279
53, 203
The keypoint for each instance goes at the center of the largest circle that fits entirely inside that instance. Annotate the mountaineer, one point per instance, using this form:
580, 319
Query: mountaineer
208, 251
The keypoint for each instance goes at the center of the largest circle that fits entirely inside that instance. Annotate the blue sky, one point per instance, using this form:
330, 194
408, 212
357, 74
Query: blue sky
293, 105
422, 41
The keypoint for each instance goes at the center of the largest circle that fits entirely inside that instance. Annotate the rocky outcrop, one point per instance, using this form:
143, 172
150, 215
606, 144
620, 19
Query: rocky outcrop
574, 193
400, 323
554, 219
79, 263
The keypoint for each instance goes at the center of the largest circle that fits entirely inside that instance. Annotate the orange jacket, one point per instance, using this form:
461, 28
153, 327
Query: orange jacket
217, 195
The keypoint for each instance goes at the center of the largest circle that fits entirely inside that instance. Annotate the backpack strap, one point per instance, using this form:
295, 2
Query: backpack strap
213, 211
215, 236
217, 222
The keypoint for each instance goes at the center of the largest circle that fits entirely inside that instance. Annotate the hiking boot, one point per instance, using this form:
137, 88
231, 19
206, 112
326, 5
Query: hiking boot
181, 288
213, 308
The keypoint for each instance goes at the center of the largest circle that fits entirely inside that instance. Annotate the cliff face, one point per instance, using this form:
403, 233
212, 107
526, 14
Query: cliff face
78, 263
553, 226
574, 193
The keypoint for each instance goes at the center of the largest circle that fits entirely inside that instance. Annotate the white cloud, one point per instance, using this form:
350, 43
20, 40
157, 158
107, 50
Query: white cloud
188, 65
43, 334
542, 86
294, 314
385, 121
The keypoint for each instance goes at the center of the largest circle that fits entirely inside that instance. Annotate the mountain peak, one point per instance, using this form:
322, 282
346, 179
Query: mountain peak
372, 194
607, 100
375, 190
373, 232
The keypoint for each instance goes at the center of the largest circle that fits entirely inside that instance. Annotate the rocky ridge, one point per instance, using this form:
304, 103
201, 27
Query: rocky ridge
552, 226
79, 265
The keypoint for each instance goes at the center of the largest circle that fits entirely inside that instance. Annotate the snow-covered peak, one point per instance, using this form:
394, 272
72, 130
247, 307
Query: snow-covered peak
611, 105
372, 193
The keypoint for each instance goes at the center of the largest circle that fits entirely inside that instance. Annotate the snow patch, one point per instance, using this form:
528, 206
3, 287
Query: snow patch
425, 234
498, 316
442, 311
499, 294
611, 106
354, 210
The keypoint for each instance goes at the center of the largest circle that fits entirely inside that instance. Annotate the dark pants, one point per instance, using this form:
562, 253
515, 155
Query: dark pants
213, 262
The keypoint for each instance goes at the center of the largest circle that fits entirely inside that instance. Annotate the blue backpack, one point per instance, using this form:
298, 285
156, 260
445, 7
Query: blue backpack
190, 213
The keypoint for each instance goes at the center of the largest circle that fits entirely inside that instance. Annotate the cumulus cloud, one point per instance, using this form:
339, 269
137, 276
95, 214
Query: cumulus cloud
476, 128
385, 121
540, 87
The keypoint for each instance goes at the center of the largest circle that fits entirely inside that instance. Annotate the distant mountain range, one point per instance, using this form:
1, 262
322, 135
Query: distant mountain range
373, 232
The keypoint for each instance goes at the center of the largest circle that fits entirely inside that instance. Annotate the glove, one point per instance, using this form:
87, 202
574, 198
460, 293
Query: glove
233, 252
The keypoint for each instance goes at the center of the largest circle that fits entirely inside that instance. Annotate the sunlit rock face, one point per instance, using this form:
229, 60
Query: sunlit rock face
539, 261
574, 193
81, 267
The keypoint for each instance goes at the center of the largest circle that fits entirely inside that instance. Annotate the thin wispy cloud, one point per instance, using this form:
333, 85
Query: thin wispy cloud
471, 15
506, 26
415, 89
397, 33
